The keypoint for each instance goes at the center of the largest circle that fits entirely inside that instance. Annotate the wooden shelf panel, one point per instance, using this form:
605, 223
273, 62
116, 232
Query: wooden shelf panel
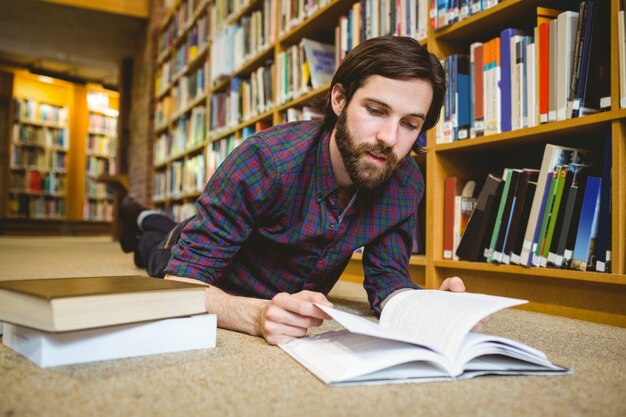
535, 134
564, 274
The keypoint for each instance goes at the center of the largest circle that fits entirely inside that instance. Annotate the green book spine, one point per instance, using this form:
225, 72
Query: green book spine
496, 227
553, 217
546, 217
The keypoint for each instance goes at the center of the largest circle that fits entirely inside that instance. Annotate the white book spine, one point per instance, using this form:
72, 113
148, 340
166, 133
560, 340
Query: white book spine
566, 26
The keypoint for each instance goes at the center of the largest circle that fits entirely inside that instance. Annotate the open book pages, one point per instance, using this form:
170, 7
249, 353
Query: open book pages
422, 336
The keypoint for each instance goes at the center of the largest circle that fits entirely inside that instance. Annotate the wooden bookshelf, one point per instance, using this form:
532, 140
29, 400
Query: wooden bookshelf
586, 295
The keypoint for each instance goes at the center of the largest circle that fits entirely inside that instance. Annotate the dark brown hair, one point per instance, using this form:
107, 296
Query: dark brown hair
395, 57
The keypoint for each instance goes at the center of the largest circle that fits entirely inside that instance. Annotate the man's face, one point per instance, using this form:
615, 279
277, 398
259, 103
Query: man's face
377, 129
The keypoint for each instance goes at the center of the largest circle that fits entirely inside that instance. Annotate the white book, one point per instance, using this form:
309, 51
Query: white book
423, 335
516, 83
321, 59
554, 69
566, 27
47, 349
621, 31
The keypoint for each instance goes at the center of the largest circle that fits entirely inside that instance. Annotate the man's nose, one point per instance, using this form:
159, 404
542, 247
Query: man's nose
387, 133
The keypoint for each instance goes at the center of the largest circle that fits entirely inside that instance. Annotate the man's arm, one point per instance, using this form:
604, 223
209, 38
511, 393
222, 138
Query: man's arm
278, 320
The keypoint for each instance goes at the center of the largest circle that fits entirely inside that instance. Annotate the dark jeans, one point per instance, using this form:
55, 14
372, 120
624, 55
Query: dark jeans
160, 233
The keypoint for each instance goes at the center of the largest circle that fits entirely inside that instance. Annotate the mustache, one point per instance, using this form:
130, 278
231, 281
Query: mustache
376, 149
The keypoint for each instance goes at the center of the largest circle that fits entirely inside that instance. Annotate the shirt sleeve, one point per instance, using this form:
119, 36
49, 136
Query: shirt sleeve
386, 263
386, 258
239, 191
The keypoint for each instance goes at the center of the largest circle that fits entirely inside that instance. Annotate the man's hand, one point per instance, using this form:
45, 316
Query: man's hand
288, 316
455, 284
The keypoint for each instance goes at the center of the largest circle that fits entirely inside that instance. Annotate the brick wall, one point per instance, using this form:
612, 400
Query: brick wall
141, 121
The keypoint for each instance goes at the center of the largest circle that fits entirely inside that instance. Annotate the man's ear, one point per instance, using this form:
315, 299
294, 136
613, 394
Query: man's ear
337, 99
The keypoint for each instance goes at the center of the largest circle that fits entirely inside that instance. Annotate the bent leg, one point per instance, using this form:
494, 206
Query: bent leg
156, 242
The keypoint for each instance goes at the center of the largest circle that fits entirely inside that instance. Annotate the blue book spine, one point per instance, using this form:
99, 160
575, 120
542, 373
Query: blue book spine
505, 77
603, 257
588, 225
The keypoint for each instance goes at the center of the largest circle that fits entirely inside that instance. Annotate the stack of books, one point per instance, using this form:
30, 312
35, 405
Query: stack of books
63, 321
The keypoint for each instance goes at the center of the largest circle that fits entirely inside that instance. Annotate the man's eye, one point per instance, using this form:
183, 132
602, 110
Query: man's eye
410, 126
374, 111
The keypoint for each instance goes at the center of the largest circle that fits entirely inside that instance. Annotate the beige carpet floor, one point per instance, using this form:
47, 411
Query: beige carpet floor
243, 376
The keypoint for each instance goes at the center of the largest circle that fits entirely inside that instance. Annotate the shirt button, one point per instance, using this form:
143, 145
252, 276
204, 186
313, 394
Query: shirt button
319, 195
332, 225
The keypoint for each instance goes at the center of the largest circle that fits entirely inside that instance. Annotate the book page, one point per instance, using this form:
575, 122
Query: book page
439, 319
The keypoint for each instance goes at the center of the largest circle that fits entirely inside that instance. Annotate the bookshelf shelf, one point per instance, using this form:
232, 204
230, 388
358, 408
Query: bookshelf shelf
298, 101
266, 115
564, 274
538, 133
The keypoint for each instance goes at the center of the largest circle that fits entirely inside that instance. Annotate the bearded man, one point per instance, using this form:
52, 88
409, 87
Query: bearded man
279, 220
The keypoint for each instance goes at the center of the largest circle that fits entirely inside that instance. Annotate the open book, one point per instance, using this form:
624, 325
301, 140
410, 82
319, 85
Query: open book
423, 335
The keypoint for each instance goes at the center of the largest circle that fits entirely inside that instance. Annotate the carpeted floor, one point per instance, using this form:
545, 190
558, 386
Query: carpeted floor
52, 257
243, 376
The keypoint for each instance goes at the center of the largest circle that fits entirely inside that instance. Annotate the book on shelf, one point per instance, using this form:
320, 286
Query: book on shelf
422, 336
519, 218
583, 256
320, 61
507, 52
621, 29
459, 202
567, 25
568, 221
480, 225
603, 252
553, 157
495, 251
64, 304
47, 349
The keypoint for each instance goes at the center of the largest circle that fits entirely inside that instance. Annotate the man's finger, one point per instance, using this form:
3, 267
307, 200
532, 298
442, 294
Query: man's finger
297, 305
454, 284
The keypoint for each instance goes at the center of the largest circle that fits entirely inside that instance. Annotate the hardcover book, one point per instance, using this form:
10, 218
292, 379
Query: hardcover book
63, 304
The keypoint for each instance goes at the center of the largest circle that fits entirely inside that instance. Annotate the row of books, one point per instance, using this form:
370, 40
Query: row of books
236, 44
557, 216
37, 207
446, 12
184, 58
294, 12
99, 123
224, 12
243, 99
372, 18
97, 190
51, 183
180, 178
219, 150
96, 166
166, 316
520, 80
101, 145
294, 114
97, 210
188, 89
182, 21
38, 159
181, 211
188, 133
40, 136
305, 66
32, 110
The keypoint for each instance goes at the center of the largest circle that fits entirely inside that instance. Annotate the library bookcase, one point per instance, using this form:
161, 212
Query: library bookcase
591, 296
45, 157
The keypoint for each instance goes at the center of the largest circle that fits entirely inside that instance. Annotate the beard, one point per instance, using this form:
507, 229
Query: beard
363, 173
